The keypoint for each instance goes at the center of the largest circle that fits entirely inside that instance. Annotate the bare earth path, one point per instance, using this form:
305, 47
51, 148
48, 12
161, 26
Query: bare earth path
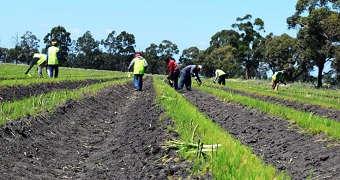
318, 110
115, 135
274, 139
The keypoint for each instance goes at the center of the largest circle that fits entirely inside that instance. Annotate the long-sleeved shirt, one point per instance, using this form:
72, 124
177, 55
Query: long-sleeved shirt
191, 70
172, 66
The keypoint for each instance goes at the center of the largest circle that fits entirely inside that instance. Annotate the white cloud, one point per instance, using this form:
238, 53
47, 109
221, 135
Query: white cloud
75, 31
108, 30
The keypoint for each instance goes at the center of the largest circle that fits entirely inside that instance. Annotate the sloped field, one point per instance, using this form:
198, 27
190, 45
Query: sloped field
118, 134
114, 135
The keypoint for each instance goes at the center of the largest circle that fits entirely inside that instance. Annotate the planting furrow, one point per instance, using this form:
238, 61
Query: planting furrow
116, 134
276, 140
305, 107
15, 93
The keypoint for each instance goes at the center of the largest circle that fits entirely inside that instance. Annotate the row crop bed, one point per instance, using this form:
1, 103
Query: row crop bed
122, 134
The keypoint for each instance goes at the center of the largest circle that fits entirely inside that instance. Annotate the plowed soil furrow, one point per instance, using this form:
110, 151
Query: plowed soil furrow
116, 134
15, 93
305, 107
274, 139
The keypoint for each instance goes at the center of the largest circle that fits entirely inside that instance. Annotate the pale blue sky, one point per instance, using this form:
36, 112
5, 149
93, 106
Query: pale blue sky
185, 23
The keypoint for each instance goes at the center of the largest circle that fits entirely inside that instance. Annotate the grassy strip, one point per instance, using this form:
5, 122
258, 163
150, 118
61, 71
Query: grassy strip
47, 102
12, 74
230, 161
325, 98
313, 123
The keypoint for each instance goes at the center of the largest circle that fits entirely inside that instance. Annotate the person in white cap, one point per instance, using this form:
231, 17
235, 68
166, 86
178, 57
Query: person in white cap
186, 74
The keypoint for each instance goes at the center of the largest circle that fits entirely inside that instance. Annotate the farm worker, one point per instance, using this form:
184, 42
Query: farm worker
52, 59
220, 76
277, 78
173, 72
185, 76
40, 61
139, 64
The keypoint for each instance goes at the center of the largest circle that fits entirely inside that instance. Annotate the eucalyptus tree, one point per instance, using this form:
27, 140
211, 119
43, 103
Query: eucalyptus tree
318, 24
165, 49
29, 44
188, 55
3, 54
154, 61
223, 38
88, 47
63, 38
250, 40
280, 53
125, 44
336, 64
221, 58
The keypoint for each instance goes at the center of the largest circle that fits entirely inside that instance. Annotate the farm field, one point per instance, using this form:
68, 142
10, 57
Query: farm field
119, 133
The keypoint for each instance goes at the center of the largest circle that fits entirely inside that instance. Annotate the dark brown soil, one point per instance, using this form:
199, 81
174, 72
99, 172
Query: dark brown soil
15, 93
116, 134
305, 107
274, 139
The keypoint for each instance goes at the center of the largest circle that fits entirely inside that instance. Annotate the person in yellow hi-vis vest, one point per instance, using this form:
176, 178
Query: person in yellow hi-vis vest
219, 76
139, 64
40, 61
277, 78
52, 59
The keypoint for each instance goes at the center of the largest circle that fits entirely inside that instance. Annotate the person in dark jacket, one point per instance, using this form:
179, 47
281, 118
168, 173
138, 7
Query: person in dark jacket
173, 72
187, 73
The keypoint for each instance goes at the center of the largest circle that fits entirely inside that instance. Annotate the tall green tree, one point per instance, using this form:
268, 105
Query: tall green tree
165, 49
318, 31
250, 41
29, 44
281, 53
89, 48
154, 61
188, 55
63, 38
125, 44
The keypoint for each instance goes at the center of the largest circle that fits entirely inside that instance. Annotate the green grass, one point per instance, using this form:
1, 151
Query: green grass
300, 92
12, 74
314, 124
232, 160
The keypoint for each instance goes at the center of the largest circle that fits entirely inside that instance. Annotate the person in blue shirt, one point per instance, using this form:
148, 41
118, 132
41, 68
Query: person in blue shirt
186, 74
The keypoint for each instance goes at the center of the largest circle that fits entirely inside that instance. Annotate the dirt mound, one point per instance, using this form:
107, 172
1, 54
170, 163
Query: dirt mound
116, 134
305, 107
275, 140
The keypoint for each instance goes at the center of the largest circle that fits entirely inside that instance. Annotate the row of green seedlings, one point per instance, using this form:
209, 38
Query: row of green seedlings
14, 75
312, 123
228, 159
47, 102
199, 149
325, 98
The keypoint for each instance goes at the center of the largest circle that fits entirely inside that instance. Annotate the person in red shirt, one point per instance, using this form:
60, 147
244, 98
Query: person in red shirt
173, 72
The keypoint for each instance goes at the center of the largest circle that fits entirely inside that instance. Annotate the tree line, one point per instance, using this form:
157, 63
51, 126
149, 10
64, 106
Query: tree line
242, 51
